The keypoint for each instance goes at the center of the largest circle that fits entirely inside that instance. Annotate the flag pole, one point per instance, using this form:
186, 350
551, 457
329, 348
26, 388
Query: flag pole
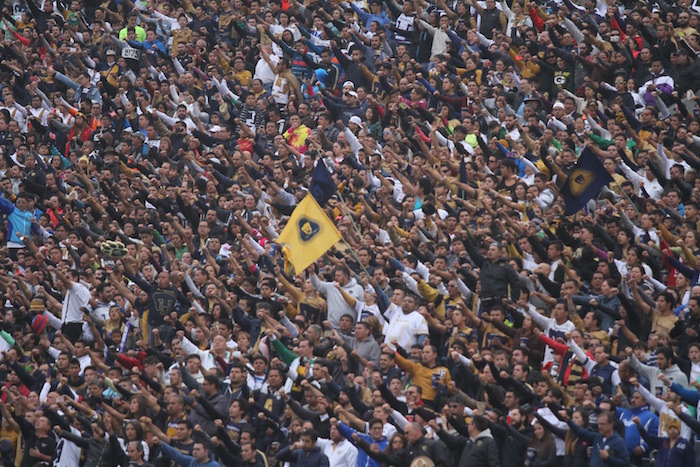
628, 198
342, 200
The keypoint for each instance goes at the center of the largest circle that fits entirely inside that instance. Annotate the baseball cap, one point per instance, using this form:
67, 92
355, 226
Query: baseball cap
349, 84
356, 120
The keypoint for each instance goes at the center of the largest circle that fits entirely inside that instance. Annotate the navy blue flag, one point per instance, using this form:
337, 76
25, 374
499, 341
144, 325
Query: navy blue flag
322, 186
587, 178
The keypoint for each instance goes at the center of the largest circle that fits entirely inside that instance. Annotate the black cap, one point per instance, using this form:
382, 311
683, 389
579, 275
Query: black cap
425, 413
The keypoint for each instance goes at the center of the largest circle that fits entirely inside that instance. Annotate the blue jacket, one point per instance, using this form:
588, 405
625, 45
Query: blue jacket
91, 93
18, 222
148, 45
649, 421
382, 19
183, 460
363, 460
301, 458
615, 445
689, 396
681, 454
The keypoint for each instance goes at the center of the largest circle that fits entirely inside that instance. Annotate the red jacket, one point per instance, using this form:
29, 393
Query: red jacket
130, 362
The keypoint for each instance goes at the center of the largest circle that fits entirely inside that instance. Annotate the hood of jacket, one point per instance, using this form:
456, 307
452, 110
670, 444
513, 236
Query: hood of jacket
351, 283
484, 434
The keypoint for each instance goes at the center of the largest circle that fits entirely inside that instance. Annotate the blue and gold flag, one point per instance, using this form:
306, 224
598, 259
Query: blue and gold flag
308, 234
587, 178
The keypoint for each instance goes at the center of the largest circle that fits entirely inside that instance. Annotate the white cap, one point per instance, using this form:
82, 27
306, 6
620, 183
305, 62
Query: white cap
352, 93
356, 120
349, 83
558, 105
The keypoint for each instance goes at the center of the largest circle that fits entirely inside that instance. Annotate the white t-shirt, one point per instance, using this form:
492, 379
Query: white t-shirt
263, 72
551, 329
281, 90
78, 296
102, 311
405, 328
85, 361
343, 454
418, 214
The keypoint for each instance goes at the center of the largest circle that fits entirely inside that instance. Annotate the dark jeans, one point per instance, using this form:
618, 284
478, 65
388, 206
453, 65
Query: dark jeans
490, 302
72, 331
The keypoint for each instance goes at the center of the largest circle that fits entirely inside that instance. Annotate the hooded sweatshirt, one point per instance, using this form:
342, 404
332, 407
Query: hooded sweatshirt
649, 421
337, 306
652, 373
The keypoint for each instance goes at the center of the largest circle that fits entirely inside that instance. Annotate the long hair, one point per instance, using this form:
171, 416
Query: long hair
571, 440
141, 411
545, 444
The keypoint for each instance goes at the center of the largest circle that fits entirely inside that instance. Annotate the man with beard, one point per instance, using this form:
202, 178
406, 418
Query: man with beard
683, 27
511, 448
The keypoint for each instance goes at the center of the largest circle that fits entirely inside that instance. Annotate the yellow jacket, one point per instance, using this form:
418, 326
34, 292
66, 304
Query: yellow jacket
424, 377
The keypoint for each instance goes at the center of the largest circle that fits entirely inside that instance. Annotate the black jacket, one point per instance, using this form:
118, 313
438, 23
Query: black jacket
481, 451
97, 453
498, 279
513, 448
685, 77
423, 447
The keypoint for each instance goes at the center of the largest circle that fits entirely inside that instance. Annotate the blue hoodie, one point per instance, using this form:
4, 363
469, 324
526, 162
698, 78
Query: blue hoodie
363, 460
649, 421
18, 222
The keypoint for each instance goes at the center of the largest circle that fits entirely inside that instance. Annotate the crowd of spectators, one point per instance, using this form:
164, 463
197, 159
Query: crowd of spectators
153, 151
